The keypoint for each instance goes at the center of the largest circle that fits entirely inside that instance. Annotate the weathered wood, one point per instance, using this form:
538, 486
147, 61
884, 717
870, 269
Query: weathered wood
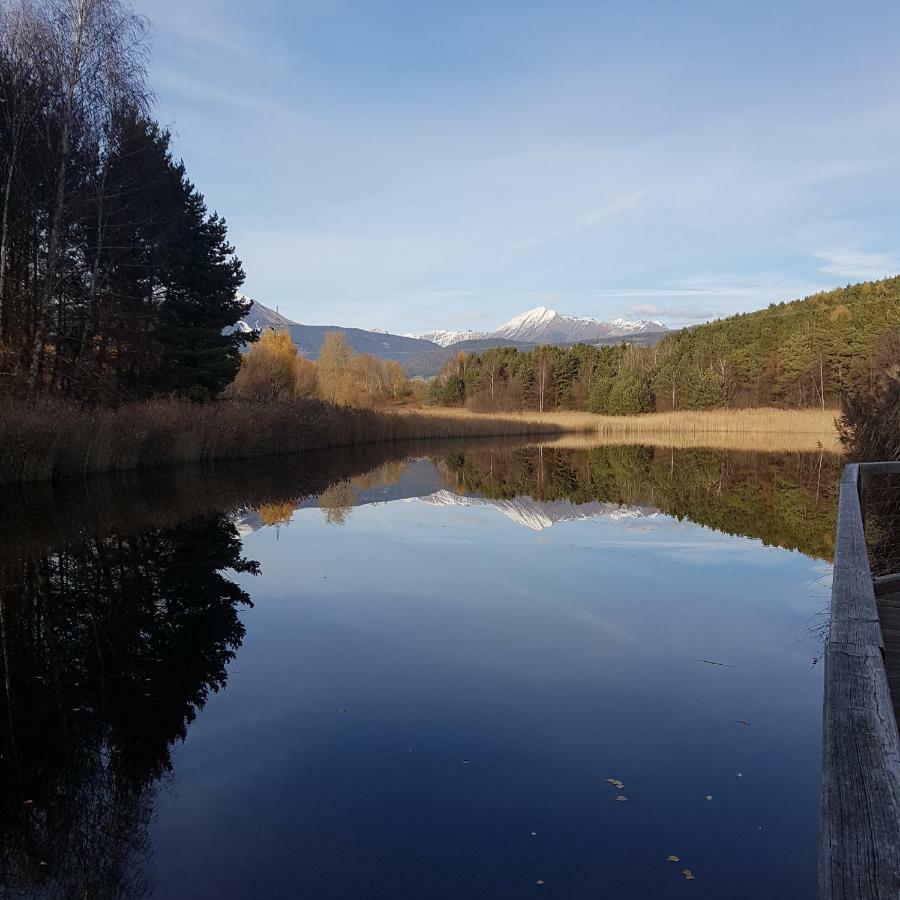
859, 832
880, 468
889, 613
886, 584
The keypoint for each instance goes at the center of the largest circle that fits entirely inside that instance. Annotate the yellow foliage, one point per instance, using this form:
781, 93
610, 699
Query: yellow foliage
272, 369
276, 513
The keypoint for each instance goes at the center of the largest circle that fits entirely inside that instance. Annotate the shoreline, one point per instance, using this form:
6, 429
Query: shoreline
52, 440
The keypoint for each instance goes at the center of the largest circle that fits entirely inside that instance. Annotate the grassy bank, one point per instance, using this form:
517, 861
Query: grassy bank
55, 440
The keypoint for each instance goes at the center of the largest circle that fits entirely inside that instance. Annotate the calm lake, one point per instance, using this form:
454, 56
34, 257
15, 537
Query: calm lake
418, 672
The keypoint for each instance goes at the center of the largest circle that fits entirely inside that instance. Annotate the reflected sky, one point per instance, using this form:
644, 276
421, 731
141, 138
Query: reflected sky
430, 697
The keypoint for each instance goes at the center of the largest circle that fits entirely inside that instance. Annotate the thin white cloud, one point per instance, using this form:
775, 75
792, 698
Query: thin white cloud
857, 264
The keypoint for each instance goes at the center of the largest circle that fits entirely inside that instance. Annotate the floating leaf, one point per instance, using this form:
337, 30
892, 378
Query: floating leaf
688, 874
672, 858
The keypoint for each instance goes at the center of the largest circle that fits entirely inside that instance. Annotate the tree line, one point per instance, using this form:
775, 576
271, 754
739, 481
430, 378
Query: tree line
116, 282
827, 349
274, 369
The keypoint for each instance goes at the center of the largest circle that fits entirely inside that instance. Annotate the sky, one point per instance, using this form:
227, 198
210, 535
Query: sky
428, 164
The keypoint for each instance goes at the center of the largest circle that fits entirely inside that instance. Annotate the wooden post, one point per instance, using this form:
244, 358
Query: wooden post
859, 829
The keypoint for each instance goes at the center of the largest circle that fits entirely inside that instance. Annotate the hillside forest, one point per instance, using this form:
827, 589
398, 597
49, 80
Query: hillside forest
829, 348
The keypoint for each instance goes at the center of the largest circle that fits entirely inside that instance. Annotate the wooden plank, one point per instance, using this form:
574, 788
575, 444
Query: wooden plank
886, 584
880, 468
859, 832
859, 846
889, 613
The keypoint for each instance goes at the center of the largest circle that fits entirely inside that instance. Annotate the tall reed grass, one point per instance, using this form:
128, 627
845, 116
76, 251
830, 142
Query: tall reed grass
764, 429
51, 440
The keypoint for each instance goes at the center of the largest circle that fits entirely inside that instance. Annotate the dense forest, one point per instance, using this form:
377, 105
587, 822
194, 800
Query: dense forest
115, 280
821, 351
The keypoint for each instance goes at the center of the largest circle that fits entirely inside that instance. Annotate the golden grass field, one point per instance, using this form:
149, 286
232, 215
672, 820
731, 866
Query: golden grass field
766, 430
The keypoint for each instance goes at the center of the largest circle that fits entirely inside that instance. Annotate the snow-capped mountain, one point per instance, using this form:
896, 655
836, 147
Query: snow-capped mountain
537, 516
546, 326
446, 338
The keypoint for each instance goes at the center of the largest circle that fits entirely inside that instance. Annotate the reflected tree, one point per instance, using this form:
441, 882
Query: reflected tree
337, 502
110, 647
787, 501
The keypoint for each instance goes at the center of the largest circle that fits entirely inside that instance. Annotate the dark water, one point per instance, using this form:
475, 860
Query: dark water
375, 677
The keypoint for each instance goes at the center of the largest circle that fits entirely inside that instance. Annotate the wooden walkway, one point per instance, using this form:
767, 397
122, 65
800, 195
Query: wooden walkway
889, 616
859, 828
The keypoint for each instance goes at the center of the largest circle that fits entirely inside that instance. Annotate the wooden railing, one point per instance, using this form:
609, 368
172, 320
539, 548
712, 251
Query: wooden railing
859, 829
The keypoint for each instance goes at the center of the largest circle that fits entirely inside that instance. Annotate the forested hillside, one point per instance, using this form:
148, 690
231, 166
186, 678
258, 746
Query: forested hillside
819, 351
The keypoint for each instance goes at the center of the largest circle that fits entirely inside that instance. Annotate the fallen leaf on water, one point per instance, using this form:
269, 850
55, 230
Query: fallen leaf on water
688, 874
621, 799
672, 858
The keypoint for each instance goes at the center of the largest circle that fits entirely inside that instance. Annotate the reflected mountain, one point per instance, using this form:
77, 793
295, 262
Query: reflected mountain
538, 516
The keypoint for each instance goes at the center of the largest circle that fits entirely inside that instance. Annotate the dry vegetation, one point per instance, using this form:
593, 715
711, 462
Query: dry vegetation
766, 430
56, 440
40, 441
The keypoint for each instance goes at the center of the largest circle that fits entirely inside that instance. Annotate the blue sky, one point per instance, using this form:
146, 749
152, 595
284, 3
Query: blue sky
423, 164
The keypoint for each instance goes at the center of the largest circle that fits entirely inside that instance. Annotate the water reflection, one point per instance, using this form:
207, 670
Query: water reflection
121, 602
785, 500
111, 647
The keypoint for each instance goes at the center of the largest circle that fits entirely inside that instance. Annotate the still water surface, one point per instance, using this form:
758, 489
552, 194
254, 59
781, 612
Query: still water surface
366, 677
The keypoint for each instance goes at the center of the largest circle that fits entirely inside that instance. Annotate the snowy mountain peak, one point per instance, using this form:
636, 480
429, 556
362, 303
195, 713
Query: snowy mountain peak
530, 319
542, 325
446, 338
627, 326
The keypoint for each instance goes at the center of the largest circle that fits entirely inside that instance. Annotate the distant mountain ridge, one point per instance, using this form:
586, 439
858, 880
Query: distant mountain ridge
309, 338
424, 356
546, 326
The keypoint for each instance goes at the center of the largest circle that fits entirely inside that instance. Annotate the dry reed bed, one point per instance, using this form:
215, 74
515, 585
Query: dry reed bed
758, 420
764, 430
52, 440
